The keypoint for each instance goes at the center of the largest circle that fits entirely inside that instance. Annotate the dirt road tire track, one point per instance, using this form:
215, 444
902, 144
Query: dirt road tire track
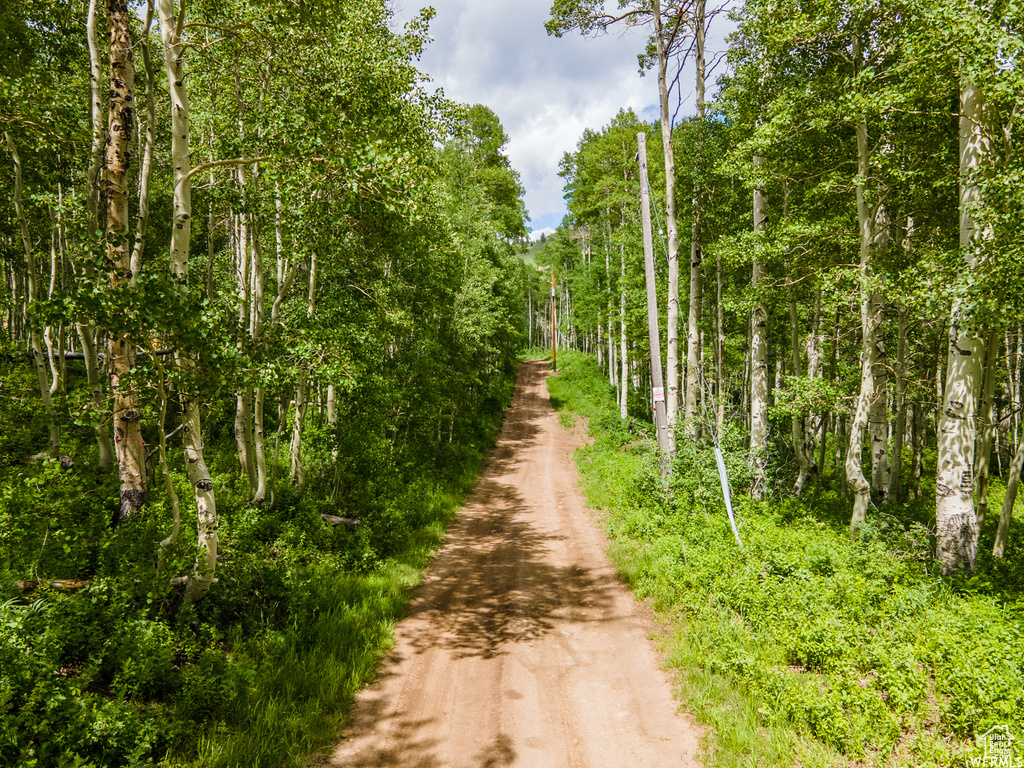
522, 648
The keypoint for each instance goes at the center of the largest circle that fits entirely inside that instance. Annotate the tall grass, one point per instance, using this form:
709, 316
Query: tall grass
807, 647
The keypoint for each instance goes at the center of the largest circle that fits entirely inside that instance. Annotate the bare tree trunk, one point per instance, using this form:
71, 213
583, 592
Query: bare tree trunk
671, 404
896, 465
298, 470
719, 349
916, 459
1012, 484
202, 577
758, 359
96, 119
693, 341
955, 520
657, 385
988, 422
129, 447
804, 447
624, 375
870, 313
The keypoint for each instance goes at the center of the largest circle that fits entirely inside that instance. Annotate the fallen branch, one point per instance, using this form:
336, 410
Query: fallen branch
348, 522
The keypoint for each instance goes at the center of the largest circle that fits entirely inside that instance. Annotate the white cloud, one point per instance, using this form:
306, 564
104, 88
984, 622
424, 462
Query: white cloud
545, 90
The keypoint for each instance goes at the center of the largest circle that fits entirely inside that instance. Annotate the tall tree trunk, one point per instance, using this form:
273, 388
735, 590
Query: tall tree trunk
955, 520
878, 420
624, 375
758, 358
657, 384
129, 448
896, 464
870, 318
693, 338
988, 422
201, 579
804, 446
1012, 484
671, 404
142, 220
719, 349
917, 453
298, 470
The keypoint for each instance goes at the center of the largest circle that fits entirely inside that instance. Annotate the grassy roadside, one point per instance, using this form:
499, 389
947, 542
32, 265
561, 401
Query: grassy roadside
260, 673
808, 647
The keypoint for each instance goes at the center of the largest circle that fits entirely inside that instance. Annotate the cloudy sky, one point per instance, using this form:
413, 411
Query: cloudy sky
545, 90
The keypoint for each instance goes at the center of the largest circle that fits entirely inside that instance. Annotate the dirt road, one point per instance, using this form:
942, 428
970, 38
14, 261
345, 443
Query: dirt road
522, 648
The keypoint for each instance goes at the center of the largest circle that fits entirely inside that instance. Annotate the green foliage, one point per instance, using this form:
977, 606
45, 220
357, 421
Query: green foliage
808, 645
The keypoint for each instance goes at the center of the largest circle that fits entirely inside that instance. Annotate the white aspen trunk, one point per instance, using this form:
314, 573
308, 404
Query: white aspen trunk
1017, 387
802, 444
92, 375
693, 340
758, 359
298, 474
258, 432
32, 295
1012, 485
259, 446
298, 470
671, 404
657, 384
623, 358
142, 220
895, 490
870, 314
1011, 382
172, 494
719, 349
956, 524
282, 417
202, 577
988, 422
51, 353
878, 420
129, 447
96, 122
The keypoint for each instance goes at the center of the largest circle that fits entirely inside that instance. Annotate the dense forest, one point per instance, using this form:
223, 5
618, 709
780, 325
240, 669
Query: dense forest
848, 334
261, 303
839, 285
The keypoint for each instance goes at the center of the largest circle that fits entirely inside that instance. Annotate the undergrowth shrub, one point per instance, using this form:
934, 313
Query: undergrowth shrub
807, 645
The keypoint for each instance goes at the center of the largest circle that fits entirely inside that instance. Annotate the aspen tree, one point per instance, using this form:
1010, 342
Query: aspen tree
129, 448
201, 579
758, 355
956, 523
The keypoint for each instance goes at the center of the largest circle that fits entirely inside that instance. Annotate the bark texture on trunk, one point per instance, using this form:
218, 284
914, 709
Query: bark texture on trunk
694, 347
987, 423
624, 374
955, 519
1012, 485
870, 318
758, 359
128, 445
671, 404
202, 576
657, 384
895, 490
